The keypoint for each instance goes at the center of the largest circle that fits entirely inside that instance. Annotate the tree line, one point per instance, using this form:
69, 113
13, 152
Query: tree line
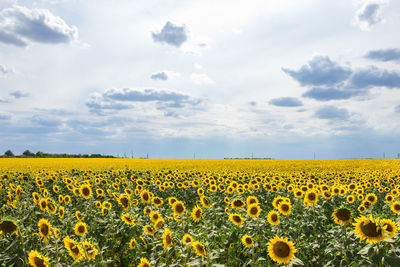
39, 154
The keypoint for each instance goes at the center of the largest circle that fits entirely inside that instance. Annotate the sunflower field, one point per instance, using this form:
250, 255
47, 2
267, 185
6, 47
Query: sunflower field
154, 212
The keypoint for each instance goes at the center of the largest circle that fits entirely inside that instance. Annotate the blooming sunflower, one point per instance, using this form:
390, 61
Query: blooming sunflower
371, 197
237, 204
8, 226
236, 219
276, 201
172, 200
145, 196
199, 248
43, 204
128, 219
44, 229
159, 223
148, 229
80, 229
251, 200
179, 208
281, 250
285, 208
167, 238
369, 229
154, 216
253, 210
187, 239
123, 200
36, 197
342, 216
144, 263
157, 201
79, 216
197, 214
247, 241
205, 202
273, 217
57, 233
311, 198
90, 250
395, 207
37, 260
61, 212
86, 191
390, 227
350, 199
74, 249
132, 243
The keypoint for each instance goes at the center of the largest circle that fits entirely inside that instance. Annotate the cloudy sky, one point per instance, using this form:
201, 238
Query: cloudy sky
281, 79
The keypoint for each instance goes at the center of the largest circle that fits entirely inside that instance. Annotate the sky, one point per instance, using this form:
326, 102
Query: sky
204, 79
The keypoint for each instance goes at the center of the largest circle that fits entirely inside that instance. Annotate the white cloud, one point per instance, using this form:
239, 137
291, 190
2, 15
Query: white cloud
369, 14
201, 78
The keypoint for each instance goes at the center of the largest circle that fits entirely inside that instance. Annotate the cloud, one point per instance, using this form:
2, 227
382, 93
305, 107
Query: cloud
369, 14
19, 94
326, 94
46, 121
159, 76
4, 116
171, 35
397, 108
286, 102
20, 25
391, 54
201, 78
320, 70
331, 112
97, 104
4, 70
373, 76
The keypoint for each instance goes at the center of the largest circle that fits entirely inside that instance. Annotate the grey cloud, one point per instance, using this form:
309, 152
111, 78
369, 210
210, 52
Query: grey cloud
286, 102
4, 100
46, 121
19, 94
384, 55
326, 94
397, 108
369, 15
159, 76
320, 70
97, 104
4, 69
373, 76
20, 25
171, 35
332, 112
5, 117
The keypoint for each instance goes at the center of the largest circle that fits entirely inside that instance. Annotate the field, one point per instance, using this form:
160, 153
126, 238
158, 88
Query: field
149, 212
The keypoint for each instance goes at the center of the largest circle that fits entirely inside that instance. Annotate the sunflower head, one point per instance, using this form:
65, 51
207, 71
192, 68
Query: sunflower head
187, 239
74, 249
80, 229
281, 250
197, 214
159, 223
123, 200
149, 230
205, 202
127, 218
132, 243
167, 238
154, 216
395, 207
342, 215
369, 229
253, 210
90, 250
85, 191
236, 219
237, 204
8, 226
44, 229
199, 248
144, 263
285, 208
37, 260
251, 200
145, 196
179, 208
247, 241
273, 217
390, 227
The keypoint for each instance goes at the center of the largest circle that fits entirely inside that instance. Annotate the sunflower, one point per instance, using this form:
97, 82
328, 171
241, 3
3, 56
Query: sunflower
311, 198
281, 250
80, 229
361, 208
154, 216
172, 200
79, 215
104, 211
148, 229
199, 248
67, 199
197, 214
253, 210
43, 204
145, 196
44, 229
276, 201
157, 201
167, 238
285, 208
205, 202
128, 219
144, 263
237, 204
251, 200
61, 212
371, 197
369, 229
350, 199
143, 241
395, 207
57, 233
298, 193
8, 226
389, 198
107, 204
390, 227
187, 239
179, 208
236, 219
90, 250
123, 200
159, 223
36, 197
273, 217
37, 260
342, 215
247, 241
74, 249
85, 191
132, 243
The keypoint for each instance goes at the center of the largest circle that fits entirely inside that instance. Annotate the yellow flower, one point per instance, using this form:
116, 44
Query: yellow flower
90, 250
187, 239
148, 229
85, 191
44, 229
395, 207
144, 263
167, 238
179, 208
199, 248
247, 241
132, 243
342, 216
237, 204
251, 200
145, 196
61, 212
273, 217
253, 210
159, 223
281, 250
311, 198
74, 249
205, 202
197, 214
123, 200
128, 219
80, 229
154, 216
236, 219
79, 215
369, 229
37, 260
8, 226
390, 227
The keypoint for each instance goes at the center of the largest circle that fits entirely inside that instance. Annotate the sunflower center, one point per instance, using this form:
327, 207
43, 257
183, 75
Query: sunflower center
274, 217
343, 214
200, 249
39, 262
74, 249
285, 207
179, 208
237, 203
281, 249
85, 191
253, 210
311, 196
7, 227
370, 229
389, 228
168, 239
44, 229
397, 207
81, 229
198, 213
249, 240
237, 219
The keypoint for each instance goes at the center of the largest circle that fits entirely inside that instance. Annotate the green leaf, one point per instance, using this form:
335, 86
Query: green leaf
392, 260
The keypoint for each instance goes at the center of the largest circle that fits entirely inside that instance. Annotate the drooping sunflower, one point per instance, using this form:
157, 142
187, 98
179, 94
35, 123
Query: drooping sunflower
154, 216
74, 249
237, 204
284, 208
342, 216
8, 226
247, 241
179, 208
149, 230
273, 217
187, 239
199, 248
90, 250
86, 191
132, 243
167, 238
36, 197
37, 260
123, 200
281, 250
369, 229
80, 229
128, 219
390, 227
236, 219
143, 241
205, 202
144, 263
253, 210
44, 229
197, 214
395, 207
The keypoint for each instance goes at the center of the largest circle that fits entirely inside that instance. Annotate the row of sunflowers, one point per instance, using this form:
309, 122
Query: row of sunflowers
204, 213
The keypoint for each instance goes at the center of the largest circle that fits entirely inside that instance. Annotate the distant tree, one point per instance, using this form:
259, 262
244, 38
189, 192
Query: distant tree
40, 154
9, 153
28, 153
